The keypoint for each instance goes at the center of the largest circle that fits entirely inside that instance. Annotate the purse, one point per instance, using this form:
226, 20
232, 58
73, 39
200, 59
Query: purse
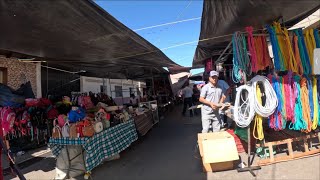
65, 131
87, 129
56, 131
73, 131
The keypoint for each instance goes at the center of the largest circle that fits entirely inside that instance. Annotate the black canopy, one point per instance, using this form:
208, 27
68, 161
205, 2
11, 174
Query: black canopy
74, 35
222, 18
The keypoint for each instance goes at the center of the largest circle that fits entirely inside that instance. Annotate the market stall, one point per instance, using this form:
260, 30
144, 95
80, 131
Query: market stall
277, 102
99, 147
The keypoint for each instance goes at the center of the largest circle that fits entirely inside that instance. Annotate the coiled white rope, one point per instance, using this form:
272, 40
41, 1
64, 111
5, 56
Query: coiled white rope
244, 113
271, 98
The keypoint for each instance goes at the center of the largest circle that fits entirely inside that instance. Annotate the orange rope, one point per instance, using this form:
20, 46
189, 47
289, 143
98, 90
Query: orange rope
297, 54
262, 52
305, 104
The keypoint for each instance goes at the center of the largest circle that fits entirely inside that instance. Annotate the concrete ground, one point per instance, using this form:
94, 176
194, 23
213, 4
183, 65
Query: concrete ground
169, 152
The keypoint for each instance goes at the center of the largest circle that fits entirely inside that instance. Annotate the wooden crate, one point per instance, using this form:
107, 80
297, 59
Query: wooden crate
307, 141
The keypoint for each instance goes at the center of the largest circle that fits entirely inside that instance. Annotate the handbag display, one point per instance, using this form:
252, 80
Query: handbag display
56, 131
65, 131
87, 128
73, 131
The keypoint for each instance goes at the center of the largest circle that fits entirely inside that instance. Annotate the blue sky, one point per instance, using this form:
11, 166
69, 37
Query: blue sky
140, 14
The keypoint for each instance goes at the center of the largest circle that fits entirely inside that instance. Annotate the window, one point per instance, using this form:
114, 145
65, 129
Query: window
118, 90
3, 75
103, 89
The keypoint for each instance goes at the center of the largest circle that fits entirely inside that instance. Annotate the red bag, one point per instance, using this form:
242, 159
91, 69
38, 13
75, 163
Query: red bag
87, 102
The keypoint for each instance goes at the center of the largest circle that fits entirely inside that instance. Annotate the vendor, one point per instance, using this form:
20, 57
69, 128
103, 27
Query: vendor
211, 95
134, 100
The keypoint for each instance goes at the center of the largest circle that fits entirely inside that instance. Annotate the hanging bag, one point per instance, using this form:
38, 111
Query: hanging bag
73, 131
65, 131
87, 129
76, 114
56, 131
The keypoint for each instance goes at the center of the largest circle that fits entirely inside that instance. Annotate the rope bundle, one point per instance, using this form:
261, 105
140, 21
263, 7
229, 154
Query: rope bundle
303, 52
316, 113
298, 102
241, 61
244, 113
271, 98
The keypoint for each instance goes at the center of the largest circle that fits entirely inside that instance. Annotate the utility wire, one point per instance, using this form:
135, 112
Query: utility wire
165, 24
177, 18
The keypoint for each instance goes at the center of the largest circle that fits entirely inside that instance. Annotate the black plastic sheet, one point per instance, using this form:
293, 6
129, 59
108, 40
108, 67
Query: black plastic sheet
222, 18
73, 34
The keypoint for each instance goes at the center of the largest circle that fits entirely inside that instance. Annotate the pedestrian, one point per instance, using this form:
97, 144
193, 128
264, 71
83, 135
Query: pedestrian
195, 97
187, 99
211, 96
226, 90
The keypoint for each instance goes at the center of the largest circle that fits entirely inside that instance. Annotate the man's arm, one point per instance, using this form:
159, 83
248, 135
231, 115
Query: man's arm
222, 99
204, 101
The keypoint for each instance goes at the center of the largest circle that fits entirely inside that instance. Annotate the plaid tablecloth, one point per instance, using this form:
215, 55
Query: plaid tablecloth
102, 145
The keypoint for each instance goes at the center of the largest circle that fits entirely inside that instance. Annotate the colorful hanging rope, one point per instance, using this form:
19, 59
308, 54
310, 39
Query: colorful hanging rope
316, 37
241, 60
291, 61
316, 113
297, 54
310, 44
303, 52
252, 50
309, 81
299, 123
288, 100
305, 104
277, 120
258, 127
278, 57
282, 45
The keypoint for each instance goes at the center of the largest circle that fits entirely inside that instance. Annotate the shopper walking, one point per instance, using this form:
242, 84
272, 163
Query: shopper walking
187, 99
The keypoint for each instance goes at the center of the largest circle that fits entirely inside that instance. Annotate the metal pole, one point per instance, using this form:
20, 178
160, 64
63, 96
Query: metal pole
153, 90
218, 60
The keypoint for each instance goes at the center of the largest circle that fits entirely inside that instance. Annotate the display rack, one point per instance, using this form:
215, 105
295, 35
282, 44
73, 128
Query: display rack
153, 106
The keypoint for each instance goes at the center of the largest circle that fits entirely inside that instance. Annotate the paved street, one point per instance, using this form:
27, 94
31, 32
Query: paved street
169, 152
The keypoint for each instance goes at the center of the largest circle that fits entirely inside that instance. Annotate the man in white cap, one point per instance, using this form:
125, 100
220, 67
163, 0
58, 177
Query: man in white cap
211, 96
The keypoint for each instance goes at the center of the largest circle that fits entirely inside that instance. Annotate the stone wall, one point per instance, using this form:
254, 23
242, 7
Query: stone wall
19, 72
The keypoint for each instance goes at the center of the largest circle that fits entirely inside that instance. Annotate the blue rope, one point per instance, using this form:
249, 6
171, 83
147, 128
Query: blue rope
300, 123
316, 37
274, 47
318, 89
310, 96
303, 52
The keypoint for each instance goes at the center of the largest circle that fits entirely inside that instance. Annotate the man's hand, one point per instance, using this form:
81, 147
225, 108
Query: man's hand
213, 106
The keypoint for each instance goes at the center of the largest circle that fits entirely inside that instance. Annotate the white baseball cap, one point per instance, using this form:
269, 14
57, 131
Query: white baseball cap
214, 73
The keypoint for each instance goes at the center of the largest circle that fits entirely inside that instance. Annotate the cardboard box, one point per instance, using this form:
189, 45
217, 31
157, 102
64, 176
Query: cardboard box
218, 151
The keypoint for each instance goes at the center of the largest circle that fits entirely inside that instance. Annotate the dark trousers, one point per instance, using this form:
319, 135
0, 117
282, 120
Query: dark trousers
187, 101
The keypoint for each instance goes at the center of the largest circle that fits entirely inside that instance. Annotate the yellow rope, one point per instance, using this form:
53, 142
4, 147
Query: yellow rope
315, 104
292, 64
258, 127
282, 43
311, 45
